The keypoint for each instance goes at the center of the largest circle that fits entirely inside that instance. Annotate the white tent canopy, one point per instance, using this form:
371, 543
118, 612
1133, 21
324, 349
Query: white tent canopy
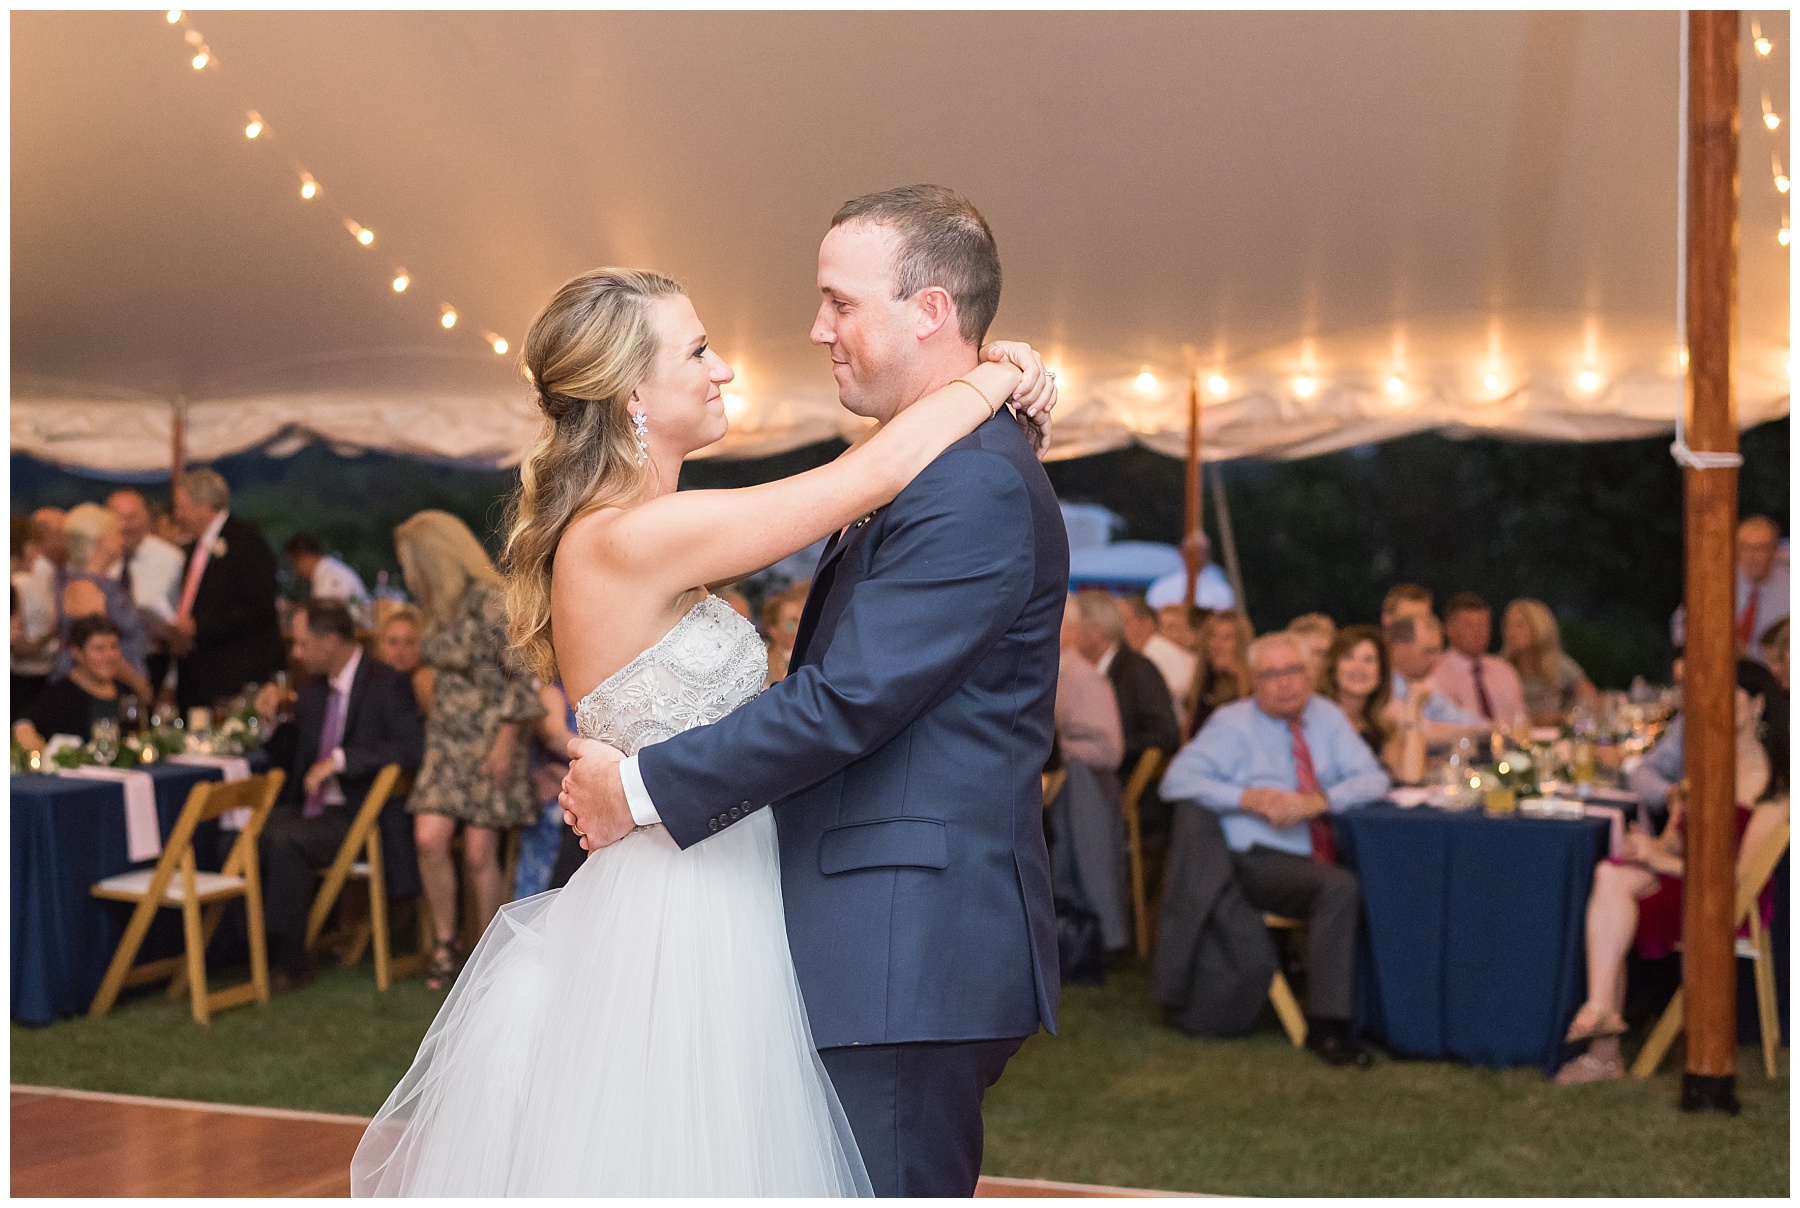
1353, 226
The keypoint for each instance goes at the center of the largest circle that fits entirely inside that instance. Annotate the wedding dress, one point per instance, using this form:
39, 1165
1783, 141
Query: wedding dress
640, 1031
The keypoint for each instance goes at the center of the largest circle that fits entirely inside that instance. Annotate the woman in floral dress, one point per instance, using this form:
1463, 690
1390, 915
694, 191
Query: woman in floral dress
477, 734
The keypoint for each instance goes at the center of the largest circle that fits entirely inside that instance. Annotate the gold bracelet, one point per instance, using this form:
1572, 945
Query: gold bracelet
992, 407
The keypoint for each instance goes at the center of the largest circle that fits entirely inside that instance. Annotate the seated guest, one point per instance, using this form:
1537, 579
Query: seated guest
1406, 600
1181, 623
1552, 682
1146, 714
1415, 646
353, 716
86, 590
1636, 903
399, 644
1224, 671
1271, 767
1088, 729
90, 691
1359, 680
1663, 766
1316, 632
1143, 635
781, 625
1774, 647
326, 577
1762, 581
1474, 680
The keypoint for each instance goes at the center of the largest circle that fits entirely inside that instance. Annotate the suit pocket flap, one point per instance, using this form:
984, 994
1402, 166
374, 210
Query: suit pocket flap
888, 843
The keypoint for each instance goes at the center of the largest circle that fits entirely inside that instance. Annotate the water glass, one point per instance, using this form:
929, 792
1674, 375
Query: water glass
105, 740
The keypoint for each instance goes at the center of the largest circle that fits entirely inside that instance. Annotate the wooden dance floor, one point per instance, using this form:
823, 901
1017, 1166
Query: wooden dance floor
79, 1143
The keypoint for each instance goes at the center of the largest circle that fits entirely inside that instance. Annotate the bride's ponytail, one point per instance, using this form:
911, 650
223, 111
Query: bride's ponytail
589, 349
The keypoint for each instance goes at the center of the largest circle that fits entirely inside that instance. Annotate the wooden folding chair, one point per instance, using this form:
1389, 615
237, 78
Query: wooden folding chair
1281, 995
1053, 784
177, 884
1768, 1016
1149, 765
363, 840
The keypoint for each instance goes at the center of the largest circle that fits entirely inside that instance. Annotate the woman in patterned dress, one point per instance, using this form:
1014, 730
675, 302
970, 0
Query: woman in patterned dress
476, 735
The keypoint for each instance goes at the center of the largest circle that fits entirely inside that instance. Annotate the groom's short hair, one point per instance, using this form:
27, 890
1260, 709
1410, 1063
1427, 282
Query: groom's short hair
944, 241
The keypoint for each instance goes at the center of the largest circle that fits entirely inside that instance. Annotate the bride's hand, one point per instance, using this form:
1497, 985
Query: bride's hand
1036, 394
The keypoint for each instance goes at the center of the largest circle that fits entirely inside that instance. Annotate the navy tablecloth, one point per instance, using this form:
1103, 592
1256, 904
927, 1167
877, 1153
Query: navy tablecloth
1474, 937
67, 834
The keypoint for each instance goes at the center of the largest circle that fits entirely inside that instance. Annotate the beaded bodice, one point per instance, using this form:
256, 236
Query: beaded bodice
709, 664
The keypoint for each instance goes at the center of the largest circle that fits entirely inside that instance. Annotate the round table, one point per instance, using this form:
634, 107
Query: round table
1474, 945
67, 834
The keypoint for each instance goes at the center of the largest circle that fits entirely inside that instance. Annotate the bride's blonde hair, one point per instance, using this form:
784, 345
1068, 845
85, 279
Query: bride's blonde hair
590, 348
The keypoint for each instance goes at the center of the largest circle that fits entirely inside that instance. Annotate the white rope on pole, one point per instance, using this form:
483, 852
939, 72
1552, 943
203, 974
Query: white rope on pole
1690, 458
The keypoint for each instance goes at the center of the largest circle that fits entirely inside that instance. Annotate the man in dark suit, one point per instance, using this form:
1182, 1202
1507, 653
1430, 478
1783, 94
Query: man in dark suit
901, 754
353, 716
225, 633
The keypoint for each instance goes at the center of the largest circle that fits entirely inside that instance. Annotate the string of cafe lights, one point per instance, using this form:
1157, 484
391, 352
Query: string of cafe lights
257, 129
1771, 120
1588, 381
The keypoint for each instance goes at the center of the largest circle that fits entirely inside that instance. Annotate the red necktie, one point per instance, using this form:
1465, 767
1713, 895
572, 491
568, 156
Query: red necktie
1481, 696
1746, 626
1306, 778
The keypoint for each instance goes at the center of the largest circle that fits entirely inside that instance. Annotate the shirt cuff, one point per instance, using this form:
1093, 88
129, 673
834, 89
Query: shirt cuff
337, 758
643, 810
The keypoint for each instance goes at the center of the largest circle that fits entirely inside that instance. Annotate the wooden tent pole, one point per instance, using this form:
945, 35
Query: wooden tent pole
1708, 966
177, 445
1190, 537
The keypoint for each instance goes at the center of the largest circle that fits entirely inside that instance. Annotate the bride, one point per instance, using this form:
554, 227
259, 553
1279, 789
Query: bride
640, 1031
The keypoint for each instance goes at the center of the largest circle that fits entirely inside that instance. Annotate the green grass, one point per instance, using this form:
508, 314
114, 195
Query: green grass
1116, 1099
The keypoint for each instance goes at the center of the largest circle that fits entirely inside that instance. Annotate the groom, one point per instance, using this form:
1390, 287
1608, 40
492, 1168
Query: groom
902, 752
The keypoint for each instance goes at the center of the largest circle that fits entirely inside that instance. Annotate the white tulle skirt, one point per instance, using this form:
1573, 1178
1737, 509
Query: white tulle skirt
638, 1032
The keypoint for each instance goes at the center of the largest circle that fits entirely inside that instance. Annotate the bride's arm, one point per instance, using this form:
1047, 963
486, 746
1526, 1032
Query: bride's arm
690, 537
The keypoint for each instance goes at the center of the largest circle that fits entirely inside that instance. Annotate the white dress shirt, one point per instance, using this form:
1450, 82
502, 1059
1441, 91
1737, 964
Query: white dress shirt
156, 570
38, 605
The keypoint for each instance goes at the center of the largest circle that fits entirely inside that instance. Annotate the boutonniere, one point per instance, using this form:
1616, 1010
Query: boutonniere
865, 519
219, 547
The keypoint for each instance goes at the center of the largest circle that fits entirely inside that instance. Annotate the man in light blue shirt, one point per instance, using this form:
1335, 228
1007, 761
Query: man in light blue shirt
1270, 766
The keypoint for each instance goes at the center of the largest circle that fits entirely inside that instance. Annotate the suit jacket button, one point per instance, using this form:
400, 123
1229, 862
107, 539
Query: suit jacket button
736, 814
712, 824
745, 806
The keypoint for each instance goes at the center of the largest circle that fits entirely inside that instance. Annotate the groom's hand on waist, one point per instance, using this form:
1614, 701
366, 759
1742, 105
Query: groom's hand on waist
593, 797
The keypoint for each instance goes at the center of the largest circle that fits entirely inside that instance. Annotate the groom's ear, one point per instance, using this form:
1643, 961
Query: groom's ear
934, 309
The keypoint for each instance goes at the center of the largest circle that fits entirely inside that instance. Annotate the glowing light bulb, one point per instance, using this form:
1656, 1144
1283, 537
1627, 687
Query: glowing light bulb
734, 406
1305, 386
1146, 382
401, 281
500, 345
1396, 385
1588, 381
1217, 385
1764, 46
255, 127
1785, 236
309, 188
1492, 383
1771, 119
174, 16
449, 319
365, 236
201, 60
1782, 183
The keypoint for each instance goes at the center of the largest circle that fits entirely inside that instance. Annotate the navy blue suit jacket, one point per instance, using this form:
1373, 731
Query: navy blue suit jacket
902, 756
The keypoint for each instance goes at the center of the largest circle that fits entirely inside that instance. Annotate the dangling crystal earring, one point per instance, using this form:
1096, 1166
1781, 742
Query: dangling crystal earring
640, 428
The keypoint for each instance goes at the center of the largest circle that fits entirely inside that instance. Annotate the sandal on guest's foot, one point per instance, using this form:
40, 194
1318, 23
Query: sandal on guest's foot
1589, 1068
1588, 1024
442, 969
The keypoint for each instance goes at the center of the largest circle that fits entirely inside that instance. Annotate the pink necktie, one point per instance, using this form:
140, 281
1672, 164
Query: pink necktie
331, 737
196, 568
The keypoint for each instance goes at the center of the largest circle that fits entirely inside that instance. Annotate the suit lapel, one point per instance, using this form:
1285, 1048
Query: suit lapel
823, 579
358, 690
